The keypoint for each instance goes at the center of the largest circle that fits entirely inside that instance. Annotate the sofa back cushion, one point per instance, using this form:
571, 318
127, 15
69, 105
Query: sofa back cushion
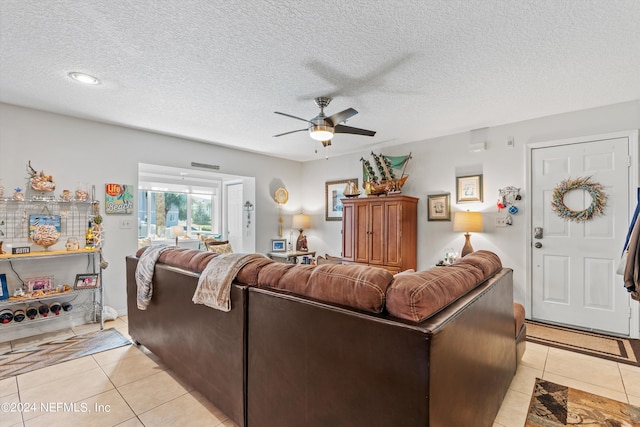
486, 261
418, 295
189, 259
195, 260
248, 274
356, 286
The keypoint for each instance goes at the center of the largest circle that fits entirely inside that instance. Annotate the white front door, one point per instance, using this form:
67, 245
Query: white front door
573, 277
234, 216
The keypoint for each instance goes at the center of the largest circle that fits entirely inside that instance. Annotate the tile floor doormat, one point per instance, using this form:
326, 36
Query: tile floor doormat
557, 405
614, 348
31, 358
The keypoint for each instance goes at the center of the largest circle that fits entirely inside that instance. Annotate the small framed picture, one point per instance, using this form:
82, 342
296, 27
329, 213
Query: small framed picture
333, 193
278, 245
4, 290
42, 283
87, 280
439, 207
469, 189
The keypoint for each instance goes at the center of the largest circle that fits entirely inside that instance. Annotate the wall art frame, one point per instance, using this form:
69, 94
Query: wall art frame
87, 280
469, 189
333, 193
439, 207
278, 245
4, 290
118, 198
40, 283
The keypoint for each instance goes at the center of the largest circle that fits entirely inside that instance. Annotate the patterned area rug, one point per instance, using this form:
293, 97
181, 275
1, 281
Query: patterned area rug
557, 405
618, 349
28, 359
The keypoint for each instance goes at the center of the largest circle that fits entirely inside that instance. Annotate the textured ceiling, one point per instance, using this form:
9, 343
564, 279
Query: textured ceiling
215, 71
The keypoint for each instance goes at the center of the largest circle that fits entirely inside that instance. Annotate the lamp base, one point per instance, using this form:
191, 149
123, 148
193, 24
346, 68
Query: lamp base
467, 248
301, 243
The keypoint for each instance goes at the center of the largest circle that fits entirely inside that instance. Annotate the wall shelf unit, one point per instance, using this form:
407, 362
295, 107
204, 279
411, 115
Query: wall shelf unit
55, 261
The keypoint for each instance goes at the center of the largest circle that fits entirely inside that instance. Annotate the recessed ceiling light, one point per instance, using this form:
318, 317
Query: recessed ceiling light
84, 78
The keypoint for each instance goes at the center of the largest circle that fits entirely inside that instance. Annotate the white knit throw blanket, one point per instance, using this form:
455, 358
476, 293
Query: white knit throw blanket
144, 274
214, 285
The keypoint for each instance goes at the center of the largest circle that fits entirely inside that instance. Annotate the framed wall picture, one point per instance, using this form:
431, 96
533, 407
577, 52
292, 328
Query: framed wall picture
278, 245
42, 283
333, 193
469, 189
118, 198
87, 280
439, 207
37, 219
4, 290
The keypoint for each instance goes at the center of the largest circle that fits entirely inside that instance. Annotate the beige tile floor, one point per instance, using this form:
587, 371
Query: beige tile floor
124, 387
128, 386
602, 377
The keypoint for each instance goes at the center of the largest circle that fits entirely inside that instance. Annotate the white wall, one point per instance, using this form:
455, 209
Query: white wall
434, 167
74, 150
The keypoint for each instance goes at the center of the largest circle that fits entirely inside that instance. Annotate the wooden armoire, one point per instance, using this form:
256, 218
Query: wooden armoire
380, 231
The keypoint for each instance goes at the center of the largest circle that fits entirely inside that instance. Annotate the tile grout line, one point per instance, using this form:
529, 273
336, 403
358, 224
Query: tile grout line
624, 386
117, 391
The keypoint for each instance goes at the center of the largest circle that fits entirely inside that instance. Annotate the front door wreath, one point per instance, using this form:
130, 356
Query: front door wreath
598, 199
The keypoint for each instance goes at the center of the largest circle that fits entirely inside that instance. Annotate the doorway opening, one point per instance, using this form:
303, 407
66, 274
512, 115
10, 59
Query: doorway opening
193, 205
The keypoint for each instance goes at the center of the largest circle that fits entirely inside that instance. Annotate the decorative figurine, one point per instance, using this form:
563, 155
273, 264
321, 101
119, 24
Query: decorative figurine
72, 244
40, 181
18, 195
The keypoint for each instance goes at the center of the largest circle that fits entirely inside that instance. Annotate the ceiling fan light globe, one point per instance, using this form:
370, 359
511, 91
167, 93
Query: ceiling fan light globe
321, 132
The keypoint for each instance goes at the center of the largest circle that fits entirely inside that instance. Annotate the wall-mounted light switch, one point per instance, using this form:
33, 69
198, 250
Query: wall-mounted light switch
501, 221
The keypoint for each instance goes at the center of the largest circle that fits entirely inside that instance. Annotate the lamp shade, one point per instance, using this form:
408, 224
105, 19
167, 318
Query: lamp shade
467, 221
301, 222
176, 231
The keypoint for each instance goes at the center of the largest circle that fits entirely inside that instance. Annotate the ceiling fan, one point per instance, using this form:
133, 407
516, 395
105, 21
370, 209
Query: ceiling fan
321, 128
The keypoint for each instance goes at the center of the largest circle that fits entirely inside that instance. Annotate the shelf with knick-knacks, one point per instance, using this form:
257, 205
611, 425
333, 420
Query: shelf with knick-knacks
41, 235
48, 239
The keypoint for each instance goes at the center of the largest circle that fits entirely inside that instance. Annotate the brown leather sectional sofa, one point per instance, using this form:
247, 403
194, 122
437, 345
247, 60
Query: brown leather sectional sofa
336, 344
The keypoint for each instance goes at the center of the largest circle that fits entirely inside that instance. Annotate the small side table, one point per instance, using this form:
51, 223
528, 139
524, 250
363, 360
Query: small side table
289, 257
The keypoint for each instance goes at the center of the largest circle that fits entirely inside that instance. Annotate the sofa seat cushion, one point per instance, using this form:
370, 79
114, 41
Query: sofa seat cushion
356, 286
416, 296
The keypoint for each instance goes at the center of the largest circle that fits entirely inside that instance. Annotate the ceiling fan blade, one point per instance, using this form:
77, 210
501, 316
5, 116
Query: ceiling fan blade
355, 131
342, 116
293, 131
293, 117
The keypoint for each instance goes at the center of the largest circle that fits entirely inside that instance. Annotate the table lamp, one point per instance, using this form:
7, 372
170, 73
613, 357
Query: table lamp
176, 231
300, 222
467, 222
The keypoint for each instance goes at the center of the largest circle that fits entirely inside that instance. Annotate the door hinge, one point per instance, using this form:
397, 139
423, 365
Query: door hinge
628, 161
629, 312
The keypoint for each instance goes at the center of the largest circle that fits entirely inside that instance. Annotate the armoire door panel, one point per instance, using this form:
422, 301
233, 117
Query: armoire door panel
376, 233
361, 227
381, 231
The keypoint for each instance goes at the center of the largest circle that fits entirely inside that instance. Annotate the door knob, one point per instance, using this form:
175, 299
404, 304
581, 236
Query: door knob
538, 245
